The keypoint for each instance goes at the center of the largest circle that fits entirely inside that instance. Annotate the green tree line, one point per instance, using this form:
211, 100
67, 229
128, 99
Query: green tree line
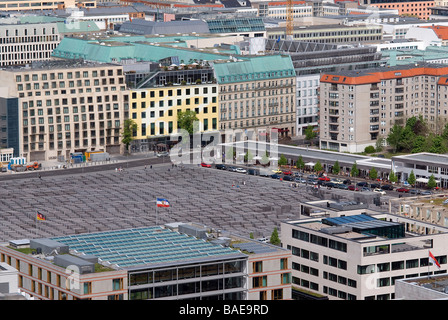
416, 136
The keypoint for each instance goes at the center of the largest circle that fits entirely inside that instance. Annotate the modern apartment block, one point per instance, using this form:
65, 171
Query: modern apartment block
361, 256
310, 60
22, 44
64, 106
358, 107
257, 94
156, 102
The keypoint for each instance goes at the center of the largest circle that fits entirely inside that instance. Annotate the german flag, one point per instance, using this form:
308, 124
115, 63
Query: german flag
40, 216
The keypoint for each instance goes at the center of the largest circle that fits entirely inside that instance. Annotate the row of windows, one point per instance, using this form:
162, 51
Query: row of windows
399, 265
188, 91
45, 276
161, 103
325, 242
71, 84
69, 75
161, 113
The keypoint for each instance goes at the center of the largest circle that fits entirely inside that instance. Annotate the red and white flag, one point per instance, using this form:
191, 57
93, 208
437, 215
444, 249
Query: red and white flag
433, 260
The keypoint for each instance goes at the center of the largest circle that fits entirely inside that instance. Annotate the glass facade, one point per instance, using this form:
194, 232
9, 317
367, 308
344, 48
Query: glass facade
222, 280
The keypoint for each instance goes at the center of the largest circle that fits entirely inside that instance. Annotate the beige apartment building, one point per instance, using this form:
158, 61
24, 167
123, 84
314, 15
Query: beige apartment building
359, 107
257, 94
62, 107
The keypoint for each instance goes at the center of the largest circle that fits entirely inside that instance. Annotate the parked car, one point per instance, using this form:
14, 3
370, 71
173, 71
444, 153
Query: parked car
366, 189
414, 191
252, 172
221, 166
347, 181
337, 181
277, 171
241, 170
362, 184
445, 202
163, 154
353, 188
205, 165
301, 180
324, 179
342, 186
331, 185
297, 174
375, 185
426, 192
288, 178
230, 168
403, 189
312, 176
287, 172
275, 176
264, 173
387, 187
377, 190
311, 181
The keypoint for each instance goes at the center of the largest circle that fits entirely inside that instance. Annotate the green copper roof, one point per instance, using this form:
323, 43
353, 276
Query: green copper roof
255, 68
114, 49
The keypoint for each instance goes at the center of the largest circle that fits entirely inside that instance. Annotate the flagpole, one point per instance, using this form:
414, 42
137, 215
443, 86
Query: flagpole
157, 215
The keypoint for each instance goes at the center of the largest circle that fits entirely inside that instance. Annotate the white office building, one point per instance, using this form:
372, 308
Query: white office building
361, 256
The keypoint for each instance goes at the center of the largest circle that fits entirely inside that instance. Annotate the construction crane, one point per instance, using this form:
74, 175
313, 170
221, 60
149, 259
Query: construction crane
289, 19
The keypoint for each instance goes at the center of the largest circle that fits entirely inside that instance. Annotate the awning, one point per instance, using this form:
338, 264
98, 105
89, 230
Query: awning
310, 164
425, 180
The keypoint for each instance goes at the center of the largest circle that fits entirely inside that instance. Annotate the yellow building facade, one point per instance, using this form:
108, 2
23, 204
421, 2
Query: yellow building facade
155, 109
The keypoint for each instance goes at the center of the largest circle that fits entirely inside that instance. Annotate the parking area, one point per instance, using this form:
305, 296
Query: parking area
106, 200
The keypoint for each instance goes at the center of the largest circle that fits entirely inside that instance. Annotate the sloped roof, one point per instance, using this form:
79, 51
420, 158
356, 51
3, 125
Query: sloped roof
275, 66
440, 31
140, 26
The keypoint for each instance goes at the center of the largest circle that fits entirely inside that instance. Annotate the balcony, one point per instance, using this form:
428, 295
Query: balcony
334, 128
334, 120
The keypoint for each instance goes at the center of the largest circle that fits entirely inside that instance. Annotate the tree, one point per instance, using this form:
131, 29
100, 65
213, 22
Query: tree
129, 128
186, 120
411, 178
354, 172
300, 163
251, 235
392, 177
438, 145
373, 174
407, 138
248, 156
379, 144
394, 137
265, 158
275, 240
336, 167
420, 144
432, 182
310, 134
318, 167
282, 161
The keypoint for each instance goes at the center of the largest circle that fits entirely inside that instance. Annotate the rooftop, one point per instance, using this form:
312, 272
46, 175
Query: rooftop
425, 157
136, 247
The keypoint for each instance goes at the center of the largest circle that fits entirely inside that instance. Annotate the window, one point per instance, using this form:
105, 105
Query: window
87, 287
117, 284
258, 266
258, 282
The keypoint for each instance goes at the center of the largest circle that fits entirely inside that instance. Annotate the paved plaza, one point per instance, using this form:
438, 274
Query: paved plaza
109, 200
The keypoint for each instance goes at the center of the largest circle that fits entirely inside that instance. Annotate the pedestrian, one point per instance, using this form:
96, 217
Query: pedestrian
40, 177
145, 166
